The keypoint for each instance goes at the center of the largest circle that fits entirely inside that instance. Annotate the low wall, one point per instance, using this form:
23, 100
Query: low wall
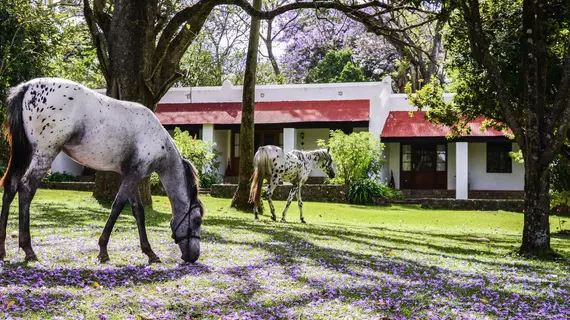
77, 186
473, 194
474, 204
310, 192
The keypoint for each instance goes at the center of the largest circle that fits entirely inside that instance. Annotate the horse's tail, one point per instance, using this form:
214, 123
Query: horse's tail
20, 147
262, 168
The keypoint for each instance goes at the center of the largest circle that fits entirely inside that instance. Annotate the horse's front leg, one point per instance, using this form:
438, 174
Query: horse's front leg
27, 190
138, 212
300, 203
289, 199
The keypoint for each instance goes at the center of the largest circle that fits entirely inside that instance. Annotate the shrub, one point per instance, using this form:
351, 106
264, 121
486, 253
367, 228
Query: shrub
363, 191
59, 177
356, 156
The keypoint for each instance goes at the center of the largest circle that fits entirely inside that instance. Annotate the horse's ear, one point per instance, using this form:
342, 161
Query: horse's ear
328, 149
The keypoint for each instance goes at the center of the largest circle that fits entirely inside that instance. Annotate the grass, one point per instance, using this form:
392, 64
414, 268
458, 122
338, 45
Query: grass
347, 262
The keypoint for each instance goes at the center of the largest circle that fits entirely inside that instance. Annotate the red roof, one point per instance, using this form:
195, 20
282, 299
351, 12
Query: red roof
265, 112
401, 125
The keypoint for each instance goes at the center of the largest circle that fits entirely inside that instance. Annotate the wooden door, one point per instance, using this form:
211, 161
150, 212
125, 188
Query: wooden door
261, 138
423, 166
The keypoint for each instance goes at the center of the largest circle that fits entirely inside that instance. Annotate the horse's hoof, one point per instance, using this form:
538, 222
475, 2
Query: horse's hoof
274, 218
256, 218
154, 259
283, 220
31, 257
303, 221
103, 259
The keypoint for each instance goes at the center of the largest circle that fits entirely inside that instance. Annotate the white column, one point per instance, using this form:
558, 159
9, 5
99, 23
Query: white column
461, 170
289, 139
64, 164
208, 132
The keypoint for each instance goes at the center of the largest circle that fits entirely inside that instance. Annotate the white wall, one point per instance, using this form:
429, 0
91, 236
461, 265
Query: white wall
393, 155
310, 138
222, 143
479, 179
451, 166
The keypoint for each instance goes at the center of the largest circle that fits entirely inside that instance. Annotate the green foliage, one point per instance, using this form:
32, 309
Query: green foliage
154, 180
202, 155
59, 177
363, 191
336, 66
356, 156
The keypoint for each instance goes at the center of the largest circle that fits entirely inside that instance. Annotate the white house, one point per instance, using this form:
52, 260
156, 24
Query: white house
295, 116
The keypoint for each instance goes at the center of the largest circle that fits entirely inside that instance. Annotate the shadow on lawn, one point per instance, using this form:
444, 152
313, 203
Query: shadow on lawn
415, 282
50, 214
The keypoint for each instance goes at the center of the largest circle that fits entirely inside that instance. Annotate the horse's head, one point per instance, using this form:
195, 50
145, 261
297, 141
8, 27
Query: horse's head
186, 225
326, 163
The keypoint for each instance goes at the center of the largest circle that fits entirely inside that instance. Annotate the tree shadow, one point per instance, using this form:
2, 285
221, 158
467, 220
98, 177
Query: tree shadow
411, 278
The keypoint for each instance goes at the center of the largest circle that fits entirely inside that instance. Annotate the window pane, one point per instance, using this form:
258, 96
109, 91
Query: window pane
236, 139
236, 151
407, 157
407, 148
441, 157
406, 167
441, 147
498, 158
441, 166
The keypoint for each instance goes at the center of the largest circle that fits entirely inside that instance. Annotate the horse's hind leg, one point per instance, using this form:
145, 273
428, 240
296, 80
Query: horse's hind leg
138, 212
116, 209
27, 187
10, 189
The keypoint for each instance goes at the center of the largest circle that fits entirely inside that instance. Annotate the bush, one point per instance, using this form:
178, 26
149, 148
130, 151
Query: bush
356, 156
363, 191
59, 177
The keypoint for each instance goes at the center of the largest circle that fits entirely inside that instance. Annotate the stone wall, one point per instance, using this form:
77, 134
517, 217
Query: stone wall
310, 192
78, 186
473, 194
474, 204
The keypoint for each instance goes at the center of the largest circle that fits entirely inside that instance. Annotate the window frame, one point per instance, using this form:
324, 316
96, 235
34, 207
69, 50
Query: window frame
504, 163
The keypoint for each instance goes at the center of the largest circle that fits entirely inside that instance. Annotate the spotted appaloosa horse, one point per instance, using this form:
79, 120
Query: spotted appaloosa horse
271, 163
49, 115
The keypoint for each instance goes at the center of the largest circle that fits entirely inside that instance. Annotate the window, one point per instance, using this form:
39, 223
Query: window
498, 158
441, 158
236, 144
407, 157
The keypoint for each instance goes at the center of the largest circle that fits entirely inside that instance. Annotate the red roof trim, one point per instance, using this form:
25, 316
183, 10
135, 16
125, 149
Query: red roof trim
401, 125
265, 112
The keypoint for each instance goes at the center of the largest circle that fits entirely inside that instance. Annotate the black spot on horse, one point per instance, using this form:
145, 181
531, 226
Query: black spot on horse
30, 118
70, 98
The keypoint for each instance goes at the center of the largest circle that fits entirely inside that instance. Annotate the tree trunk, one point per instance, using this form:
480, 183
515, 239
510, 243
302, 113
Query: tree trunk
131, 48
536, 230
241, 197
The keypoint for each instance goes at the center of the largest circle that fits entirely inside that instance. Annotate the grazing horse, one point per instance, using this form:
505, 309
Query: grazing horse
271, 163
49, 115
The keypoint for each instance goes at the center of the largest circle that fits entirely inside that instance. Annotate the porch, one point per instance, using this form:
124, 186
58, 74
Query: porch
424, 163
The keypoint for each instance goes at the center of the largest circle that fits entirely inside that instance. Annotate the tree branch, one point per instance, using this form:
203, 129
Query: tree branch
99, 40
481, 54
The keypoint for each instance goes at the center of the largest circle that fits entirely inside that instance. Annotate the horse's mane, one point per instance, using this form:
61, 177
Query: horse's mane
193, 184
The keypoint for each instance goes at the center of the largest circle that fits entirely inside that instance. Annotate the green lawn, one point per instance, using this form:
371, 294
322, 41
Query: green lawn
350, 262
